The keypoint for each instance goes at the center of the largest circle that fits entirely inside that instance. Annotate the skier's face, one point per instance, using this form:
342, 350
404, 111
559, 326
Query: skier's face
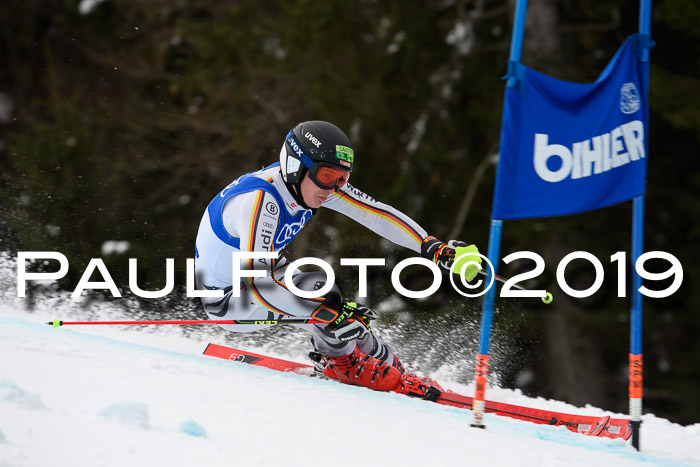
314, 195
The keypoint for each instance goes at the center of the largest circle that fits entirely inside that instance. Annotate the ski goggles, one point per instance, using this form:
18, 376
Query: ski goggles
328, 177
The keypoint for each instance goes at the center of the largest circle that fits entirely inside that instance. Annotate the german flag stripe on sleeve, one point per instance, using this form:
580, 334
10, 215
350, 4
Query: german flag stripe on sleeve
382, 213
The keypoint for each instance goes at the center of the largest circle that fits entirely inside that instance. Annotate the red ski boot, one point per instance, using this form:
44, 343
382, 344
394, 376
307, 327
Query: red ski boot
417, 386
363, 370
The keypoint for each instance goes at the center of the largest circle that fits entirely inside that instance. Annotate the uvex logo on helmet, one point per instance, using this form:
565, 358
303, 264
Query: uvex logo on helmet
299, 151
313, 139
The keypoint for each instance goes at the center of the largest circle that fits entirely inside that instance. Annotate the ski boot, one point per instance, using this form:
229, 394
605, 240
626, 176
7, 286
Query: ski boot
357, 368
416, 386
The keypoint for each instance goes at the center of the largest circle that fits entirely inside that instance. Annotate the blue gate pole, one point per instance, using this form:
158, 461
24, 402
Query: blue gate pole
635, 357
516, 43
482, 358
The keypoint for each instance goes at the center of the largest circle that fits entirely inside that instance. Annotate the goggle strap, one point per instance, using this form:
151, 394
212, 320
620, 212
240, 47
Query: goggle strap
305, 159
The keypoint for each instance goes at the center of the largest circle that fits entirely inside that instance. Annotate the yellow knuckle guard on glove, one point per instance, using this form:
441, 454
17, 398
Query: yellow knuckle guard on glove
463, 256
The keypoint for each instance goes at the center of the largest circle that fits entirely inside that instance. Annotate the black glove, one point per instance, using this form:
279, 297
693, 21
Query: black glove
347, 320
444, 255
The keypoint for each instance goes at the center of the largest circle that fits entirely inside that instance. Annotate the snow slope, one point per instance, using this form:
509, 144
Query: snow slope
109, 396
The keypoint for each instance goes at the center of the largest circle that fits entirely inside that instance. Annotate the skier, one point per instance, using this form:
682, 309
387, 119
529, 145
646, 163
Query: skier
264, 211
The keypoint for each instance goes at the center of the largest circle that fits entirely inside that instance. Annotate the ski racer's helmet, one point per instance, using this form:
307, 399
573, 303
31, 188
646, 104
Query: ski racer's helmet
319, 148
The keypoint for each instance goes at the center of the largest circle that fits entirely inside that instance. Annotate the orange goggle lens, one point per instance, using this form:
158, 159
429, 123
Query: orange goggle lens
329, 177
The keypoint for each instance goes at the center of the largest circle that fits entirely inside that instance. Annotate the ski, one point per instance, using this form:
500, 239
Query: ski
236, 355
584, 424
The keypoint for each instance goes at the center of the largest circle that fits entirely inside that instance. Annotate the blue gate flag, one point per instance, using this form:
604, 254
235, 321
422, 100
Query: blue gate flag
570, 147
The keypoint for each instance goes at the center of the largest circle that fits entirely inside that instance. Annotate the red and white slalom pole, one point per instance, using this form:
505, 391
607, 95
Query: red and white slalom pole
479, 403
635, 396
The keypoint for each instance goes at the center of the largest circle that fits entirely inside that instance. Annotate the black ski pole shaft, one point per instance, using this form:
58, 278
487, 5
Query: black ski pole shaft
56, 323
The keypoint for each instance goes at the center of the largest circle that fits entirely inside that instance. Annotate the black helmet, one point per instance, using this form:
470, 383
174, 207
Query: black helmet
314, 142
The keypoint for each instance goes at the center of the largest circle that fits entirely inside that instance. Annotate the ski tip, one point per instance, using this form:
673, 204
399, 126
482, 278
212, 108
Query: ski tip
55, 323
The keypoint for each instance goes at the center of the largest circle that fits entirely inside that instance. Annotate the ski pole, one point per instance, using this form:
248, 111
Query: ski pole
547, 299
56, 323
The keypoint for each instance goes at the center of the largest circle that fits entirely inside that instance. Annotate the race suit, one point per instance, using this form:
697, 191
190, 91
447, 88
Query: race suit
257, 213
